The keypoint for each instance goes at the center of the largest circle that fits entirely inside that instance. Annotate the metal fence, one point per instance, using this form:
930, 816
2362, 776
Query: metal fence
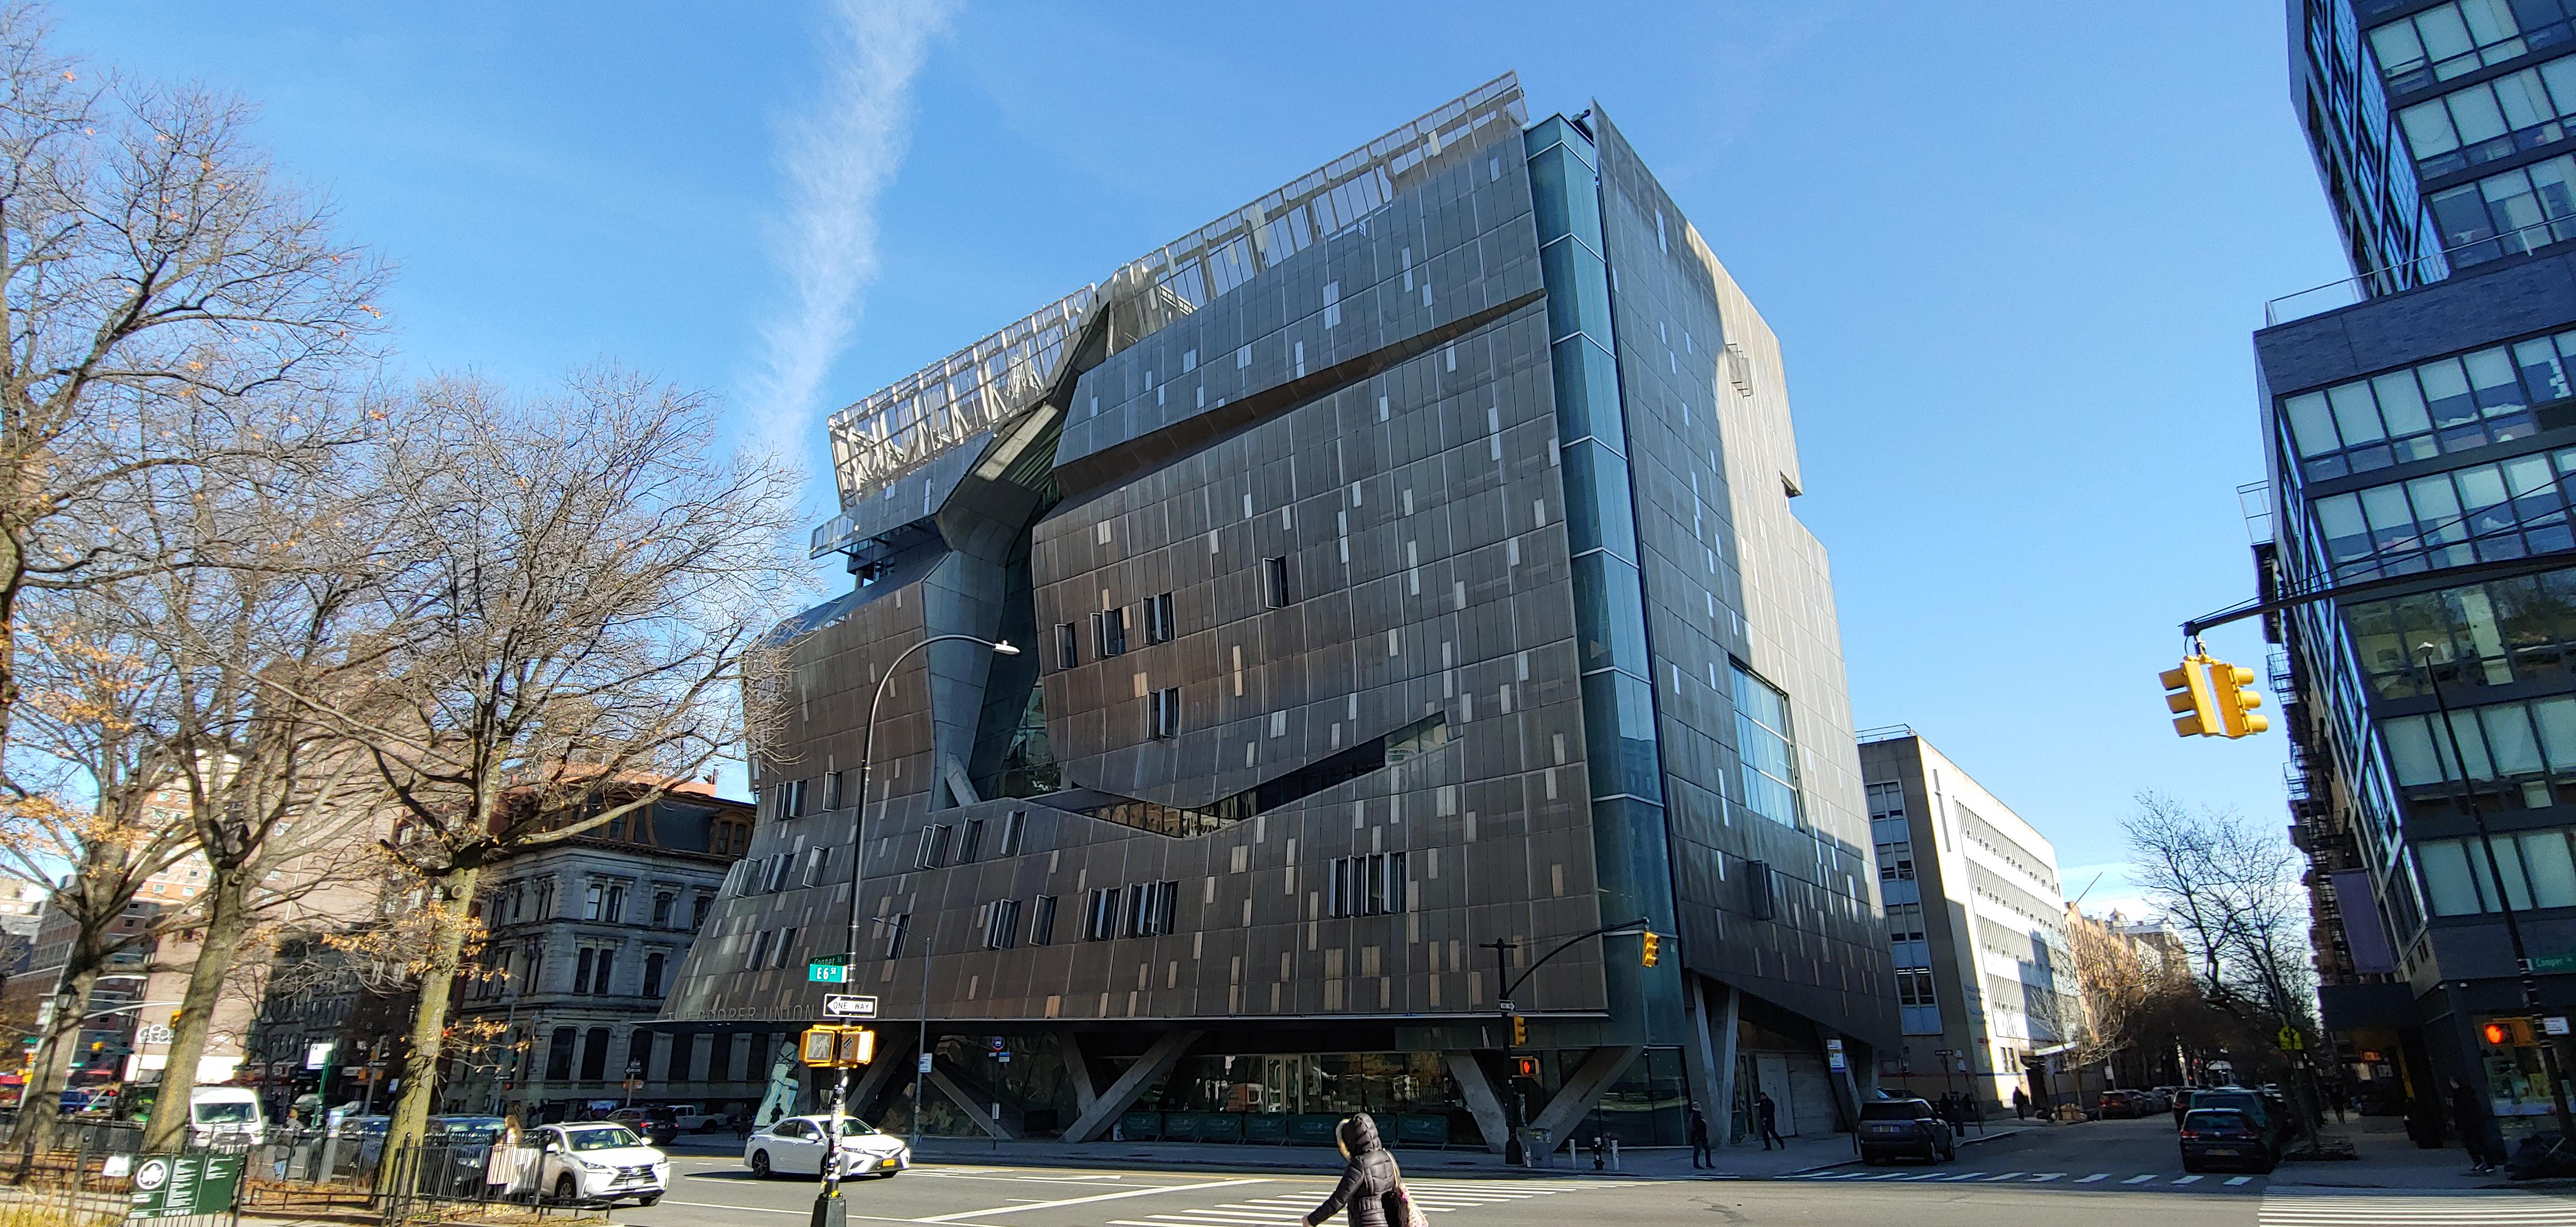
87, 1180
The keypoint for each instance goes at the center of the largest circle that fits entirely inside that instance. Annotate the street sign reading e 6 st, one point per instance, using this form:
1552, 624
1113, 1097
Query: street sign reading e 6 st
827, 971
844, 1005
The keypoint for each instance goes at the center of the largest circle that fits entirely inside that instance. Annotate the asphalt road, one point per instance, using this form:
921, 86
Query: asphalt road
2125, 1173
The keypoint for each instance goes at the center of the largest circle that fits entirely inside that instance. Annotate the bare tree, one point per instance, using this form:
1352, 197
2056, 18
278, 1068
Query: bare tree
95, 820
2232, 893
284, 596
153, 269
589, 594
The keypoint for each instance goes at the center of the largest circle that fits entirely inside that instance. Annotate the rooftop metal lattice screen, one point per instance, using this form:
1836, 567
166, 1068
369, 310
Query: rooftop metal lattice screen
899, 428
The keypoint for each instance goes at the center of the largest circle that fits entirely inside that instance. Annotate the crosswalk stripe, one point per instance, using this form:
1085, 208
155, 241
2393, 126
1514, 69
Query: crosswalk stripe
2238, 1179
2005, 1176
1963, 1176
2140, 1179
2095, 1176
2045, 1177
2186, 1180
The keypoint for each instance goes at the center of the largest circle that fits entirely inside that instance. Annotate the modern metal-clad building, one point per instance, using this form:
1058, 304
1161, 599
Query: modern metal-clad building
1399, 565
2422, 434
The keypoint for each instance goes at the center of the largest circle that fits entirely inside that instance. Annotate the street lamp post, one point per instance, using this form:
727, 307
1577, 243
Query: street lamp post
828, 1208
2466, 800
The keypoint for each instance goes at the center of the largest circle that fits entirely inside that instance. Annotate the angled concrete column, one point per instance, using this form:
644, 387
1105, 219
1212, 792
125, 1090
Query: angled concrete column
1699, 1056
1583, 1088
1077, 1071
962, 1079
1722, 1018
874, 1080
1478, 1090
980, 1113
1157, 1061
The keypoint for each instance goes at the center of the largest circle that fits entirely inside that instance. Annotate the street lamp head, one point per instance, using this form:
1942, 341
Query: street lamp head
1004, 648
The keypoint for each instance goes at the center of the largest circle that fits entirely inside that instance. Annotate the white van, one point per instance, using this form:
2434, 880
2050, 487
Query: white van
225, 1116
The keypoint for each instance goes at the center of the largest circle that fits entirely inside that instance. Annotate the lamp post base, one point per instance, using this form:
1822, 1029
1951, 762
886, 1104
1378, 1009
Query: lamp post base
830, 1210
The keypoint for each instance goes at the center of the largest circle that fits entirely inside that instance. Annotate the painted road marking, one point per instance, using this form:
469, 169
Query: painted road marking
2238, 1179
2292, 1209
2095, 1176
2186, 1180
2140, 1179
963, 1215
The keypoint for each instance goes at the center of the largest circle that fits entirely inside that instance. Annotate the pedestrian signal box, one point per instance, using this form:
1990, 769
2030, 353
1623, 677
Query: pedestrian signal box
838, 1047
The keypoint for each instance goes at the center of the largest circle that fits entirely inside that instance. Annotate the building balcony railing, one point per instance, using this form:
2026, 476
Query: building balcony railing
2416, 273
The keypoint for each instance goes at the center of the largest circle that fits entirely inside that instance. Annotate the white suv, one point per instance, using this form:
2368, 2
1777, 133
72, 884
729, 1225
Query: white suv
599, 1163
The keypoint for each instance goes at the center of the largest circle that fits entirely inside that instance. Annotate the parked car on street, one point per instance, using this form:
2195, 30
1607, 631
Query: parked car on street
2181, 1104
795, 1146
690, 1118
1906, 1129
225, 1116
2122, 1105
2213, 1137
599, 1164
2261, 1111
657, 1125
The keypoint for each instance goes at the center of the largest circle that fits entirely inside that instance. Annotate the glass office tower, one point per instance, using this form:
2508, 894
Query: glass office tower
1403, 565
2422, 437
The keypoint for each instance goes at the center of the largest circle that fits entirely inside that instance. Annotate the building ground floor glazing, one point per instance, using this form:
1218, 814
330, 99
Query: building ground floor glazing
1237, 1086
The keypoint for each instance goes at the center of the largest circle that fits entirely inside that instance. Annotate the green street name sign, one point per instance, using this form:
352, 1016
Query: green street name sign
183, 1186
2554, 963
833, 970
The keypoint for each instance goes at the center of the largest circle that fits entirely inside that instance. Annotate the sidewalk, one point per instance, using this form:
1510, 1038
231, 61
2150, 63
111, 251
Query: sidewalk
1740, 1162
2391, 1160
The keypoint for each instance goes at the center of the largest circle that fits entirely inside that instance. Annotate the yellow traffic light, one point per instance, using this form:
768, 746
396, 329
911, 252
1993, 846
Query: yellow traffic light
2187, 692
1520, 1031
1653, 949
2236, 704
817, 1044
858, 1046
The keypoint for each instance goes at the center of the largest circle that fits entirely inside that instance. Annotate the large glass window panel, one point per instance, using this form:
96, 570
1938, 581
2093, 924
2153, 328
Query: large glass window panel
2401, 404
1598, 514
1554, 130
1578, 291
2556, 719
2506, 865
2448, 889
1766, 746
2547, 865
1619, 733
2476, 116
2446, 391
2347, 535
1609, 614
2492, 383
1587, 393
1563, 195
2437, 508
2542, 368
2510, 742
2312, 424
2356, 414
2462, 748
2411, 753
2429, 131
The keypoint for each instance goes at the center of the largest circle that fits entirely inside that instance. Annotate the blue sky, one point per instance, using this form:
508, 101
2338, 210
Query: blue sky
2013, 251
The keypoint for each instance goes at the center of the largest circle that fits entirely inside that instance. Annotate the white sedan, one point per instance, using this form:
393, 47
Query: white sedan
598, 1163
794, 1146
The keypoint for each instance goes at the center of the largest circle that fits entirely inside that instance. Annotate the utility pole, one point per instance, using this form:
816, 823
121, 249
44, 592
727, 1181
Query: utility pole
2466, 799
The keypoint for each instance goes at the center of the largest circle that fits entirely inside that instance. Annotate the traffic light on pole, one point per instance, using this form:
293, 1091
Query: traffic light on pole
1520, 1031
2188, 693
1525, 1067
2236, 703
1652, 949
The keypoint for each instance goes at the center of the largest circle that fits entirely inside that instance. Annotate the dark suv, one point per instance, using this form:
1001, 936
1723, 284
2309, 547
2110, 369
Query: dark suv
1904, 1129
2229, 1136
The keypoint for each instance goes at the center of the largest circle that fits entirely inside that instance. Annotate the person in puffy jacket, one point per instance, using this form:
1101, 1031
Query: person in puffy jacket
1371, 1186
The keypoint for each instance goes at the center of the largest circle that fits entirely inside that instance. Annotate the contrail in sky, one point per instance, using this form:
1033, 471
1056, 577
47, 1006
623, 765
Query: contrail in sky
837, 156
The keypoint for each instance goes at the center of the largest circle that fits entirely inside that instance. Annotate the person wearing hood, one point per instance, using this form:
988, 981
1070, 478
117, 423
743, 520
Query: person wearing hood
1371, 1186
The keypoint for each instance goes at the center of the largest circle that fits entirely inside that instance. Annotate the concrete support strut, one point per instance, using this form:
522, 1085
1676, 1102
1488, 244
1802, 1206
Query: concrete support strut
1478, 1090
966, 1100
1148, 1069
1077, 1071
1583, 1088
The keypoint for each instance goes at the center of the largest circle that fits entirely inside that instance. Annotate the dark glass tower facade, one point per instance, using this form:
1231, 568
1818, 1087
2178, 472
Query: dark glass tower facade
1403, 564
2422, 438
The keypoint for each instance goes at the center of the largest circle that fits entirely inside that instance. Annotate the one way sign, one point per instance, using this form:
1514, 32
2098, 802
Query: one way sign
845, 1005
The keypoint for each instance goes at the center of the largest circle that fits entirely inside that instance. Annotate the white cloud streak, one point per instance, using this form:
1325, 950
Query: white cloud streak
837, 155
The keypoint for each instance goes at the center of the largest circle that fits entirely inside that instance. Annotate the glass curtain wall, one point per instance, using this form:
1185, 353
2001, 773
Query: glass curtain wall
1626, 764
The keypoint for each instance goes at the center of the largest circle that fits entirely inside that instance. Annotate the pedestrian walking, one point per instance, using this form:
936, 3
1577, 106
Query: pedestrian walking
1372, 1187
1699, 1141
1767, 1114
2470, 1118
2021, 1104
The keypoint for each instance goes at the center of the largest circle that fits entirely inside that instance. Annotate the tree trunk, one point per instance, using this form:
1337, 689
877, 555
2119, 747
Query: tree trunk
429, 1022
40, 1106
13, 580
228, 921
